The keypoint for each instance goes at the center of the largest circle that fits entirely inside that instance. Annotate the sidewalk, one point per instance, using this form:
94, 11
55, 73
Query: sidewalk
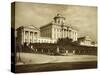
30, 58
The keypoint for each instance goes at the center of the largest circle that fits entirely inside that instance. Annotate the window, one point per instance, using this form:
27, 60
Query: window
31, 33
35, 33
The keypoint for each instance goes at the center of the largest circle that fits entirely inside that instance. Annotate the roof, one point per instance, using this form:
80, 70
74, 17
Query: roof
29, 26
84, 38
32, 27
59, 16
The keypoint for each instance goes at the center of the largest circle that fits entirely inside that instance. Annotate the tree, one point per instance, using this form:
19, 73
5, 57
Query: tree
64, 41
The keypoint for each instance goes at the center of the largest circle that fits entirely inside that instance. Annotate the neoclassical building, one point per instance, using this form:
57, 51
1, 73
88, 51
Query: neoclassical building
58, 29
86, 41
49, 33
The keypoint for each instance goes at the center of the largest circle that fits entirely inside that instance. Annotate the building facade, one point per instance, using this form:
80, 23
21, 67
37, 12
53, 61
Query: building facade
86, 41
58, 29
49, 33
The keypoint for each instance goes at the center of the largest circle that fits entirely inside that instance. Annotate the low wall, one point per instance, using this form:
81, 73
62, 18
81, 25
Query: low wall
52, 49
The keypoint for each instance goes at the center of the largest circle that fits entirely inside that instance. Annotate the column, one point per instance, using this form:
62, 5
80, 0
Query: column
74, 36
52, 34
59, 33
24, 36
29, 37
62, 33
69, 33
32, 37
66, 33
55, 33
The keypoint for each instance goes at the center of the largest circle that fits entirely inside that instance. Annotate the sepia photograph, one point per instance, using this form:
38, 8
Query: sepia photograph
53, 37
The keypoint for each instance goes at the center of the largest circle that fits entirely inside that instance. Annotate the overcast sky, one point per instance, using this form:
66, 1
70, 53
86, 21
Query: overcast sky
83, 18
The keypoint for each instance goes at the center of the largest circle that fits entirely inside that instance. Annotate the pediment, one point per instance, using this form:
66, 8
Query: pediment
32, 27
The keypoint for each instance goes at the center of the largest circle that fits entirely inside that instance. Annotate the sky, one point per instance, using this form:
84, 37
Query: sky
83, 18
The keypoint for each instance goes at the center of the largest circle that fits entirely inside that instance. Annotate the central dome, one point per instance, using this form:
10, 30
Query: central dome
59, 19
